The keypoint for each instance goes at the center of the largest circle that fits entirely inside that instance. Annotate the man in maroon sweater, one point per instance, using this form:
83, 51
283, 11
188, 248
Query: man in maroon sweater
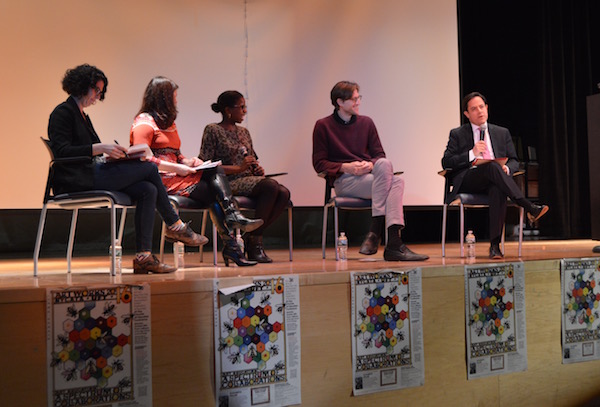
347, 148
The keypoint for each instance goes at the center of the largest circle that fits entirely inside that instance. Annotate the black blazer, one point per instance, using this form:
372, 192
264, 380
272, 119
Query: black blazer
461, 141
72, 135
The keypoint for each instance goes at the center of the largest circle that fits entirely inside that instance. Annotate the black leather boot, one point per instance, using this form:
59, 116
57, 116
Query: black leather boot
231, 250
233, 218
255, 250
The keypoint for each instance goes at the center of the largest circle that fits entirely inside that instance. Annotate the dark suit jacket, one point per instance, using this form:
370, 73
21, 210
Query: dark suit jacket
461, 141
72, 135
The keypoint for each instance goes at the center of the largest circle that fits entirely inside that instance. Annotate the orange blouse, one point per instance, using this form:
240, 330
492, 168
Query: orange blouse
165, 145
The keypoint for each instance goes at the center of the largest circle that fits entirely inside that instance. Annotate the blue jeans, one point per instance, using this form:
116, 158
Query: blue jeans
139, 180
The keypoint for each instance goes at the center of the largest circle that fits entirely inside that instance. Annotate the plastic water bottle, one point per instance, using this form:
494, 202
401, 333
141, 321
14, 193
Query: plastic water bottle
240, 241
342, 246
470, 241
118, 257
179, 254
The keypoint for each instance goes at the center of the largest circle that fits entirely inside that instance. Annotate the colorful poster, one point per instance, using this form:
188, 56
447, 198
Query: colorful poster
580, 287
257, 343
99, 350
387, 327
495, 319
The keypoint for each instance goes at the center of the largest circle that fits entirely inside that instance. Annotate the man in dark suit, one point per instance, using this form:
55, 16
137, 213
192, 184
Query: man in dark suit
479, 140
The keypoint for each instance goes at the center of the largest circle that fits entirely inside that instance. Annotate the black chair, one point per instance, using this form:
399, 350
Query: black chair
337, 202
468, 200
77, 200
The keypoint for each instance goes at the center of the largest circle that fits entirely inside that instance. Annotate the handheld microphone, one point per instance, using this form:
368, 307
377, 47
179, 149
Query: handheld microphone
482, 129
244, 152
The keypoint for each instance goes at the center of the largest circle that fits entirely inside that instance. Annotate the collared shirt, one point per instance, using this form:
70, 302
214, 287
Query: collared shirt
476, 138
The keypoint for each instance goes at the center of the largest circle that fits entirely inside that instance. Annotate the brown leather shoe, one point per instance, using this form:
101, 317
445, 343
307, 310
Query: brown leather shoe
187, 236
537, 212
151, 265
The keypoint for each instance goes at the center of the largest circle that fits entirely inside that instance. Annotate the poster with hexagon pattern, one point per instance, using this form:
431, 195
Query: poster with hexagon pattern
580, 283
99, 349
495, 319
387, 327
257, 342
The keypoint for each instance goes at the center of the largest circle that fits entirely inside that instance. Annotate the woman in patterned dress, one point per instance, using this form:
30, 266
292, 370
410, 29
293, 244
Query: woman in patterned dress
155, 125
232, 144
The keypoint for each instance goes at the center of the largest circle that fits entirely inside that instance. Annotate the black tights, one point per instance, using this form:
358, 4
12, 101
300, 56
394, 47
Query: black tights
271, 199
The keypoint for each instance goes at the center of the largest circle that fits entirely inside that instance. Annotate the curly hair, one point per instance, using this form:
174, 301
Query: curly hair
78, 81
159, 103
226, 99
343, 90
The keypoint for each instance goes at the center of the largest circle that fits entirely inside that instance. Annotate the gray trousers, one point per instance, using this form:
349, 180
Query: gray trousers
381, 186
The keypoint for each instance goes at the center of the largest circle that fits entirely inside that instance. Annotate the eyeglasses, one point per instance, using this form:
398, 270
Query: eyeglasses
356, 99
98, 91
239, 107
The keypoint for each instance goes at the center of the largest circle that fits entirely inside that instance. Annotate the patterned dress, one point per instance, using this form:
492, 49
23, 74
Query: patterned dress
165, 145
230, 147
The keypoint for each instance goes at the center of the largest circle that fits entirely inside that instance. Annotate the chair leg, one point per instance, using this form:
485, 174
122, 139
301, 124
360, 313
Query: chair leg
503, 238
521, 215
335, 232
71, 238
122, 226
444, 219
202, 230
290, 232
324, 230
462, 230
113, 239
38, 239
214, 237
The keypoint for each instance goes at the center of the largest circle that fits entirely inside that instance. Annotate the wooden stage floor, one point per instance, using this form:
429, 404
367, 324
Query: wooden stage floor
18, 273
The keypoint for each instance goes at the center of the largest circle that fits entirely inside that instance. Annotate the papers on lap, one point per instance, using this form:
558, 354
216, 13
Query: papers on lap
135, 153
207, 164
481, 161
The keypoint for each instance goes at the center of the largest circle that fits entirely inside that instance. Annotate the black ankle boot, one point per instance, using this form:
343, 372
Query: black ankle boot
255, 250
231, 250
233, 218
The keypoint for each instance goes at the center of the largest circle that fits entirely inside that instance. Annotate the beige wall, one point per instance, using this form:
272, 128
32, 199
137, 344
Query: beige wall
285, 56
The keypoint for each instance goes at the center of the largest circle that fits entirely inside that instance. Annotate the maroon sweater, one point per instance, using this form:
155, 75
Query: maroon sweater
335, 143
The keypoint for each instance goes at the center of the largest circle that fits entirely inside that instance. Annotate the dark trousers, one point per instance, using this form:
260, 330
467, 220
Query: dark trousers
491, 179
141, 181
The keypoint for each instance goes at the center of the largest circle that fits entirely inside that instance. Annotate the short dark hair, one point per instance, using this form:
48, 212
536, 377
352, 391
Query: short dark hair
472, 95
226, 99
78, 81
158, 101
343, 90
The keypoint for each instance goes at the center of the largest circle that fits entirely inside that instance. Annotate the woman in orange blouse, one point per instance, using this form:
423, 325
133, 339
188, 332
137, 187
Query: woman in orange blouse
155, 125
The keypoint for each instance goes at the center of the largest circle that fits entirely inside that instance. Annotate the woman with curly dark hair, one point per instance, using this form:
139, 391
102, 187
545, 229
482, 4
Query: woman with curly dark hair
233, 145
72, 135
155, 125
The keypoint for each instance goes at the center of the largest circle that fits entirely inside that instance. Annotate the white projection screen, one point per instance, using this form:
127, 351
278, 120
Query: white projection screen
284, 56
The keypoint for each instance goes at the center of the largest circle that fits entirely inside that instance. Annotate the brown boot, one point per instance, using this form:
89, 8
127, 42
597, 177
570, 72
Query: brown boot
151, 265
255, 250
186, 236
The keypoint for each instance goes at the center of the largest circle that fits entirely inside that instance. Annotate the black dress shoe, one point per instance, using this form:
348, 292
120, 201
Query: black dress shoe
495, 252
537, 211
370, 244
402, 253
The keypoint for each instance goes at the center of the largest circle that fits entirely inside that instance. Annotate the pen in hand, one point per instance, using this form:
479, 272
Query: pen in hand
117, 143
